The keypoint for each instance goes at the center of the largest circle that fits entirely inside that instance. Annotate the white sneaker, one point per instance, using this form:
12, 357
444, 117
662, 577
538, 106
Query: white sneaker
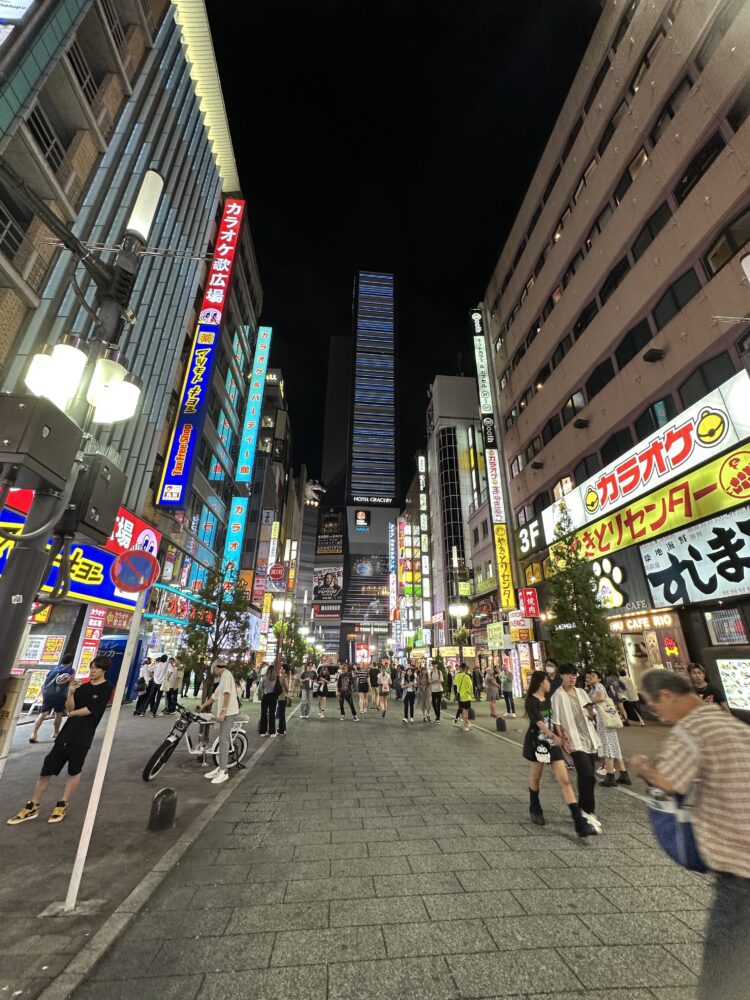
405, 721
593, 820
274, 735
220, 778
212, 774
356, 718
411, 718
512, 715
455, 722
341, 717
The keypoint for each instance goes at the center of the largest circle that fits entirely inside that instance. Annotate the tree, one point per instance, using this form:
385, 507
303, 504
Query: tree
578, 626
292, 644
219, 627
462, 637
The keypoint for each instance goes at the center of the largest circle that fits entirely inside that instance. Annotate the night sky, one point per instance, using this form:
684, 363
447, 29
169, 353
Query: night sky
391, 135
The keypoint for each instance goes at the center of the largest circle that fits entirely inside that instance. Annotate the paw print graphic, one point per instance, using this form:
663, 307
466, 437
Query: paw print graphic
608, 578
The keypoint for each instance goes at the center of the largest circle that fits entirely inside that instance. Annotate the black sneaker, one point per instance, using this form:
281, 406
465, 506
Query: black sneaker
538, 818
623, 778
586, 830
609, 782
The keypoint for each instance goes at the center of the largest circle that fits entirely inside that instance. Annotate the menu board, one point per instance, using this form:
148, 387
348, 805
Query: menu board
735, 676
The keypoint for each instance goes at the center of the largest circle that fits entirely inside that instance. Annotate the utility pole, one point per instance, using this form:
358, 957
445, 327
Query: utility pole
28, 561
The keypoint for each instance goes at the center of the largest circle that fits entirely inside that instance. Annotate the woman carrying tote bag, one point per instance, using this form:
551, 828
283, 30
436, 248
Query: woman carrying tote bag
607, 722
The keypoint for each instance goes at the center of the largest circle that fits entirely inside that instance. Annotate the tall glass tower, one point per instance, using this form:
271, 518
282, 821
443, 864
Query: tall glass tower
372, 465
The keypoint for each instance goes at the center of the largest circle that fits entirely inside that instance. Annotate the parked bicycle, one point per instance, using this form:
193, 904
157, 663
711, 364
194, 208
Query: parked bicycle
204, 746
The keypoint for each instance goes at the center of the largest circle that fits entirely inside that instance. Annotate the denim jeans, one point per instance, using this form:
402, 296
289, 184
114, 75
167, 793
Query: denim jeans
305, 698
726, 956
509, 703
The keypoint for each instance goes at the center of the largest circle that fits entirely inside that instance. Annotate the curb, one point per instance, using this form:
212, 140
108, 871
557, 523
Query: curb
71, 977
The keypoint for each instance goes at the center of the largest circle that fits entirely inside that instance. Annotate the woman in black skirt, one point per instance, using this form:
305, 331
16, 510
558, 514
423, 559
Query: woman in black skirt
541, 746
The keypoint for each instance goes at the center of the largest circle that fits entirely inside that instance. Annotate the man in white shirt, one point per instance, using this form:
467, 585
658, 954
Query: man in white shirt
156, 682
225, 696
572, 722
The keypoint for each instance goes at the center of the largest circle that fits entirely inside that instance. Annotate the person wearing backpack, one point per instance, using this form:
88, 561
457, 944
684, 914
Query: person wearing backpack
710, 749
54, 693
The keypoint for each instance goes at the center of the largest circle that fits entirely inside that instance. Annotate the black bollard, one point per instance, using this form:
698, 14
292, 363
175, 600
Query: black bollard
163, 810
500, 725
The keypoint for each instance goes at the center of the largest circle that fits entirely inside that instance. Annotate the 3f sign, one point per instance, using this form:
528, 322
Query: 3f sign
528, 537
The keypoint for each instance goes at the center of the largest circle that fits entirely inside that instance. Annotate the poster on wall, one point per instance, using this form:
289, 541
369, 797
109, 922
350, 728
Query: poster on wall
330, 541
703, 562
328, 582
735, 676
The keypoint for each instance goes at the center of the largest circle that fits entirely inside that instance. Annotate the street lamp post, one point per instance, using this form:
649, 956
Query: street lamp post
459, 611
88, 380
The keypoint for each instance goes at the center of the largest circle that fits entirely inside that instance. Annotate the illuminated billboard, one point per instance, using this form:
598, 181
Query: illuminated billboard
249, 443
174, 488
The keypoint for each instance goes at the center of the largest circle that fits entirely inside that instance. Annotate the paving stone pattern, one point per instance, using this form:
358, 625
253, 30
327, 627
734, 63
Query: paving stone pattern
359, 862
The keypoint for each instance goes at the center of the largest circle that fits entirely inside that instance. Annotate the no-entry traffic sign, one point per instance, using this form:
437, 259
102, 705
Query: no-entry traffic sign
134, 570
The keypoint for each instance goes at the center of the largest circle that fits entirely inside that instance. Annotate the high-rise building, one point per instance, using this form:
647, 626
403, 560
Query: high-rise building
372, 463
337, 419
456, 479
619, 304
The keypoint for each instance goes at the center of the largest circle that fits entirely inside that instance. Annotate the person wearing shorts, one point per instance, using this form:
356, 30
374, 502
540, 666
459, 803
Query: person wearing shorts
85, 706
374, 693
54, 696
363, 688
322, 690
464, 686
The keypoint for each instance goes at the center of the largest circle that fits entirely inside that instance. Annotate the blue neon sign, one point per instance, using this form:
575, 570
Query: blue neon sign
251, 423
235, 535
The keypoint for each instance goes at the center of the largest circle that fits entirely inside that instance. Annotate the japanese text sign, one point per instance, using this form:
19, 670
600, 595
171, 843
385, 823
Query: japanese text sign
494, 485
720, 485
186, 431
709, 427
132, 532
505, 589
235, 535
702, 562
249, 442
483, 375
529, 602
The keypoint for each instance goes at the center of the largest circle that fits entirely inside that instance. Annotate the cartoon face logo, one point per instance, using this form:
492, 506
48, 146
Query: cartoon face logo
210, 316
591, 500
607, 579
710, 427
734, 475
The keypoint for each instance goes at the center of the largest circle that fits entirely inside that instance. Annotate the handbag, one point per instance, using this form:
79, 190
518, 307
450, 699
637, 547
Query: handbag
609, 714
672, 824
140, 685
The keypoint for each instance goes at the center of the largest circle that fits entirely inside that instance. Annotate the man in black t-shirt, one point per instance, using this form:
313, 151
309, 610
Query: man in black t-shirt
703, 689
84, 707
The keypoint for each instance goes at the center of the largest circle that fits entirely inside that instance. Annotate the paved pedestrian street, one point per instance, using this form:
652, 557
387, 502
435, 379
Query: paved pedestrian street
371, 860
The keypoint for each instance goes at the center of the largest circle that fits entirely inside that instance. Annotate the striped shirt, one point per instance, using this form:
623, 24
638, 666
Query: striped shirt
715, 751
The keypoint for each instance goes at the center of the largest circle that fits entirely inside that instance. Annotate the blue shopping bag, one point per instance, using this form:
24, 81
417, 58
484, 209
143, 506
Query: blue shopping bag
671, 822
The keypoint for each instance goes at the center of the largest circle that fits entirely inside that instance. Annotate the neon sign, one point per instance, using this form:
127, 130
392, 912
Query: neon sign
174, 488
254, 405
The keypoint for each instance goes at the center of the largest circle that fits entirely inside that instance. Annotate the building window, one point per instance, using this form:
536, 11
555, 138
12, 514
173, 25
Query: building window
485, 529
727, 244
651, 230
740, 110
598, 81
475, 536
632, 343
572, 268
698, 166
676, 298
534, 220
719, 28
616, 444
533, 332
584, 180
743, 344
585, 318
705, 378
634, 168
571, 139
551, 429
624, 24
518, 356
726, 627
541, 501
586, 468
601, 375
561, 224
551, 183
517, 465
670, 109
561, 350
526, 398
535, 446
609, 131
562, 487
648, 61
542, 376
596, 230
574, 405
541, 262
614, 278
490, 570
654, 417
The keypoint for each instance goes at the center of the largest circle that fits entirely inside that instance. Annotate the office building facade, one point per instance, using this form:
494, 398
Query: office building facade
618, 298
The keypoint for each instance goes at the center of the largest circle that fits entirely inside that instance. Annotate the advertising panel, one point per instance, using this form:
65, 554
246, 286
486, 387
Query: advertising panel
174, 488
328, 583
88, 646
89, 570
709, 427
362, 520
330, 541
702, 562
720, 485
483, 375
529, 602
132, 532
235, 536
735, 676
505, 590
494, 485
256, 389
495, 636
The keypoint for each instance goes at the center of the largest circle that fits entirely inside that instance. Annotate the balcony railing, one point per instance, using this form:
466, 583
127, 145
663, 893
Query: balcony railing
115, 26
54, 153
82, 73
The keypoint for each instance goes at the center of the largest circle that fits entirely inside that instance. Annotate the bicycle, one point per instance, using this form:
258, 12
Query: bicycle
238, 744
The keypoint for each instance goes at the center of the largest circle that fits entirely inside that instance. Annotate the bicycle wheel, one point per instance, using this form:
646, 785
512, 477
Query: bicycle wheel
237, 749
159, 759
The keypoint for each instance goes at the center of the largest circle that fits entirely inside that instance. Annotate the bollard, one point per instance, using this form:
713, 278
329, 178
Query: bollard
500, 725
163, 810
